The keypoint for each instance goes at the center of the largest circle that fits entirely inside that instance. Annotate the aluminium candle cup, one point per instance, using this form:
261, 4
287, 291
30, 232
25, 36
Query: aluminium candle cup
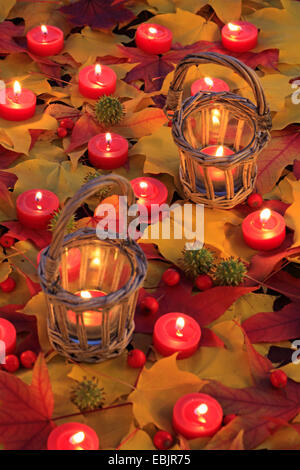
153, 38
60, 437
92, 85
267, 236
108, 156
242, 38
36, 214
8, 335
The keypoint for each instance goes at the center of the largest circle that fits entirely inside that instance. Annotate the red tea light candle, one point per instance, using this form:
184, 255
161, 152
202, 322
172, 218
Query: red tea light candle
216, 175
45, 40
73, 436
36, 207
264, 230
209, 84
91, 318
176, 332
149, 192
96, 80
19, 103
108, 151
240, 36
8, 335
197, 415
153, 38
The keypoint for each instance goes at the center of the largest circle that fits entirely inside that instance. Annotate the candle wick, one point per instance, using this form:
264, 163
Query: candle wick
179, 333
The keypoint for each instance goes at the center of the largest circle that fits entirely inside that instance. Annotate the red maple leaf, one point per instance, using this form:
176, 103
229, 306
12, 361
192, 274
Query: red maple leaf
152, 69
7, 157
98, 13
274, 326
286, 284
9, 31
204, 307
256, 408
85, 128
41, 238
26, 410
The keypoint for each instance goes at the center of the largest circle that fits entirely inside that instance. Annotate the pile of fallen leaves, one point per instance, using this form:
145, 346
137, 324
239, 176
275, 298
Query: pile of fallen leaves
248, 330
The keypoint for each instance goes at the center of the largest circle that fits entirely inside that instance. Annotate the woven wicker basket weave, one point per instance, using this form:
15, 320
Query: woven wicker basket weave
116, 267
244, 128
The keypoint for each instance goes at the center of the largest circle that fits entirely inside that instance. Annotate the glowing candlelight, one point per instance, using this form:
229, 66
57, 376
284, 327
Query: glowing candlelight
209, 82
234, 27
220, 151
152, 31
108, 140
200, 411
17, 89
44, 30
98, 70
216, 117
38, 197
85, 294
144, 187
95, 262
179, 326
265, 216
77, 438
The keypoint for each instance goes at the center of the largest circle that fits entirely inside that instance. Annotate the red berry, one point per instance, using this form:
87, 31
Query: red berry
136, 358
149, 305
255, 201
163, 440
62, 132
171, 277
8, 285
11, 363
278, 378
204, 282
228, 418
67, 123
28, 359
6, 241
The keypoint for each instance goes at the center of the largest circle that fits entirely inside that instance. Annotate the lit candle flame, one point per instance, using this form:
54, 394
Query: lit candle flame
85, 294
200, 411
220, 151
209, 82
152, 30
234, 27
77, 438
265, 215
98, 70
215, 116
17, 89
108, 140
96, 262
44, 29
143, 187
38, 197
179, 326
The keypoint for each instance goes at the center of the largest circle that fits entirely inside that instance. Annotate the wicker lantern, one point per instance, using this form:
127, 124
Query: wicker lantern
232, 126
91, 285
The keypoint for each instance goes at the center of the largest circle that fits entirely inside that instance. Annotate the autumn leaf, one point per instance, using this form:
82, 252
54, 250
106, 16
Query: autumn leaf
280, 152
26, 410
279, 28
256, 406
274, 326
204, 307
98, 13
5, 9
85, 128
9, 31
154, 404
41, 238
286, 284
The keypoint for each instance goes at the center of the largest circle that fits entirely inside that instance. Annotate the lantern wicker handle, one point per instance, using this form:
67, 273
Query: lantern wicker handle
175, 93
85, 192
